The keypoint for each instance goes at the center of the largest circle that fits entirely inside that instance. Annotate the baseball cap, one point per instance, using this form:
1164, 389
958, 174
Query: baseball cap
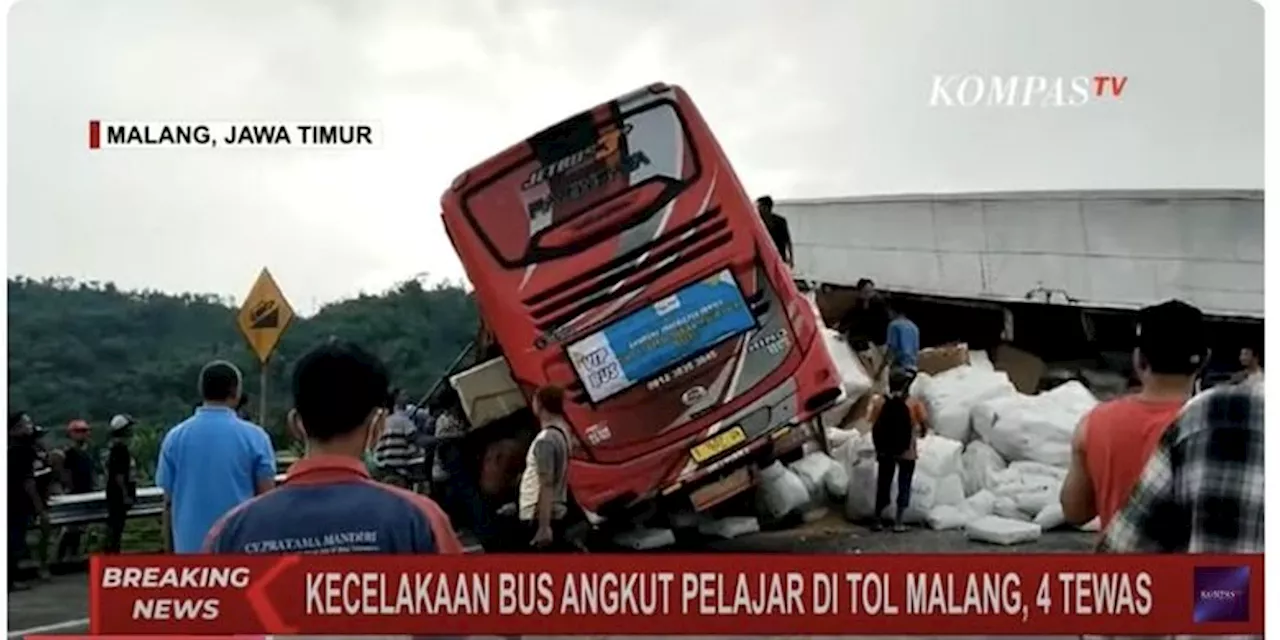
120, 421
1171, 337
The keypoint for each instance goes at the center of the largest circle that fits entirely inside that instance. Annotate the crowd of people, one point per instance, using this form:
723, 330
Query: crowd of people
1171, 467
37, 472
362, 485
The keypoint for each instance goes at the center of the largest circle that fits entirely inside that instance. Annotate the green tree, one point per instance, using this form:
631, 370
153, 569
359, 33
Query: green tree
89, 350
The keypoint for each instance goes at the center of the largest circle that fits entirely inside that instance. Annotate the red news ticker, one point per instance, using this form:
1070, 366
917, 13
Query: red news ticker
676, 594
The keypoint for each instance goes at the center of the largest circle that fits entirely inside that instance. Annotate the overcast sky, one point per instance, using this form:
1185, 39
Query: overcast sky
813, 98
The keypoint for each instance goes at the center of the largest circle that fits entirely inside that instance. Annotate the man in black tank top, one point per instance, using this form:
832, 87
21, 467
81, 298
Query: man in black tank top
777, 226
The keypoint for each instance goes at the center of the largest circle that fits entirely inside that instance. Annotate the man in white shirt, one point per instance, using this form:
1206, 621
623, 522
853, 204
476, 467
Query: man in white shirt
544, 485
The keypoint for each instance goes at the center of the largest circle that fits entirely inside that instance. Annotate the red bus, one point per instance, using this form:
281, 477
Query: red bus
616, 254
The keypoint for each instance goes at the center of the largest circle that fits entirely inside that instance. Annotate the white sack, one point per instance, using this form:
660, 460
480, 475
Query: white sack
1010, 482
985, 414
950, 490
1050, 517
812, 297
645, 539
729, 528
938, 457
780, 491
837, 437
855, 380
835, 416
951, 395
812, 470
920, 386
980, 461
1028, 468
945, 516
980, 360
982, 503
1007, 507
1092, 526
860, 501
1036, 428
997, 530
1071, 396
858, 457
837, 481
1034, 501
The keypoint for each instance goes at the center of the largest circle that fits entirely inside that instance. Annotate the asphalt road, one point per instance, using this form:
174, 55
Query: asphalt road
61, 605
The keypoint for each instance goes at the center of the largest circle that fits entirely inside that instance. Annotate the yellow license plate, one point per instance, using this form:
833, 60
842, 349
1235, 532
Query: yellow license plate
718, 444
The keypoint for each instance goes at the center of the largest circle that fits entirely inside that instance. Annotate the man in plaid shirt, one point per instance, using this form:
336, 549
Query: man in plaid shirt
1202, 490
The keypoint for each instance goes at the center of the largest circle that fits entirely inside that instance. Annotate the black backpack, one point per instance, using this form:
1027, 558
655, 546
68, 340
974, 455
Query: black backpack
891, 434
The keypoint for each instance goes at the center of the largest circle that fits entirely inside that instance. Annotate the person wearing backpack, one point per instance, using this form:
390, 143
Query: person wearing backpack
897, 422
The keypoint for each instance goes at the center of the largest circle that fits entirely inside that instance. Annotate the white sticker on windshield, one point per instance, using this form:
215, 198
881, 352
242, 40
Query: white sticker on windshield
666, 305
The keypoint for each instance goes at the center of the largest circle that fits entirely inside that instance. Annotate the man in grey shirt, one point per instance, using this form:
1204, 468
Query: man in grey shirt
544, 490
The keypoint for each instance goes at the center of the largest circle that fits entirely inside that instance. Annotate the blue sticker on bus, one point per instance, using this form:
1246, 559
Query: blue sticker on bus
660, 336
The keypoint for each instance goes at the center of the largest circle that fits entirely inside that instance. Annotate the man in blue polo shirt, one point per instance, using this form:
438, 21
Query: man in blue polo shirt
212, 462
902, 344
328, 503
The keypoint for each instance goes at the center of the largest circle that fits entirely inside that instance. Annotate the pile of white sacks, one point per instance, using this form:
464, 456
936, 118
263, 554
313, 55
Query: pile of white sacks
994, 464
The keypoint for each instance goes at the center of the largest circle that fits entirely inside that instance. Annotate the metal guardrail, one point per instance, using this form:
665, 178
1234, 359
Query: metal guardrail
91, 508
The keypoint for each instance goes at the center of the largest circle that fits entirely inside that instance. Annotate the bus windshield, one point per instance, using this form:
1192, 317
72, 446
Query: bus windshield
582, 181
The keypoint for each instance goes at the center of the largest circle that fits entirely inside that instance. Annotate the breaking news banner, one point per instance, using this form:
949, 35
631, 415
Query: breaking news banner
233, 135
676, 594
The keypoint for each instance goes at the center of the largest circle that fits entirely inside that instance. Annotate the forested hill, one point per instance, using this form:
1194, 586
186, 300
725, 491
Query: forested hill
90, 350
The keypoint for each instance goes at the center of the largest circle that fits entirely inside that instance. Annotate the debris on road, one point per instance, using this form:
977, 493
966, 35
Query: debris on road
997, 530
644, 539
729, 528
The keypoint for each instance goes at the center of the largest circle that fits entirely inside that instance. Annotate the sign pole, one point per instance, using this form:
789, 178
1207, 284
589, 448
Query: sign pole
263, 318
262, 395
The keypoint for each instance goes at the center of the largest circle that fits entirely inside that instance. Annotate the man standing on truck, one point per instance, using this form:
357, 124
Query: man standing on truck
1114, 441
544, 490
777, 226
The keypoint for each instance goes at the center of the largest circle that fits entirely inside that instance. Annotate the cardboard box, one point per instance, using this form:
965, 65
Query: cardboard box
935, 360
1024, 368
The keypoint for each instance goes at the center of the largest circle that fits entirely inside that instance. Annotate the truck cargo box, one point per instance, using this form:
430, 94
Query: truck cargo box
488, 392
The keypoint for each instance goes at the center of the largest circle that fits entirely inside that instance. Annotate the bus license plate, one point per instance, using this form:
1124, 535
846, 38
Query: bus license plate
718, 444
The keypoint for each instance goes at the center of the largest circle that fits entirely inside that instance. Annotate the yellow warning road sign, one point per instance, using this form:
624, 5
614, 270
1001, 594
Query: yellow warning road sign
264, 316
